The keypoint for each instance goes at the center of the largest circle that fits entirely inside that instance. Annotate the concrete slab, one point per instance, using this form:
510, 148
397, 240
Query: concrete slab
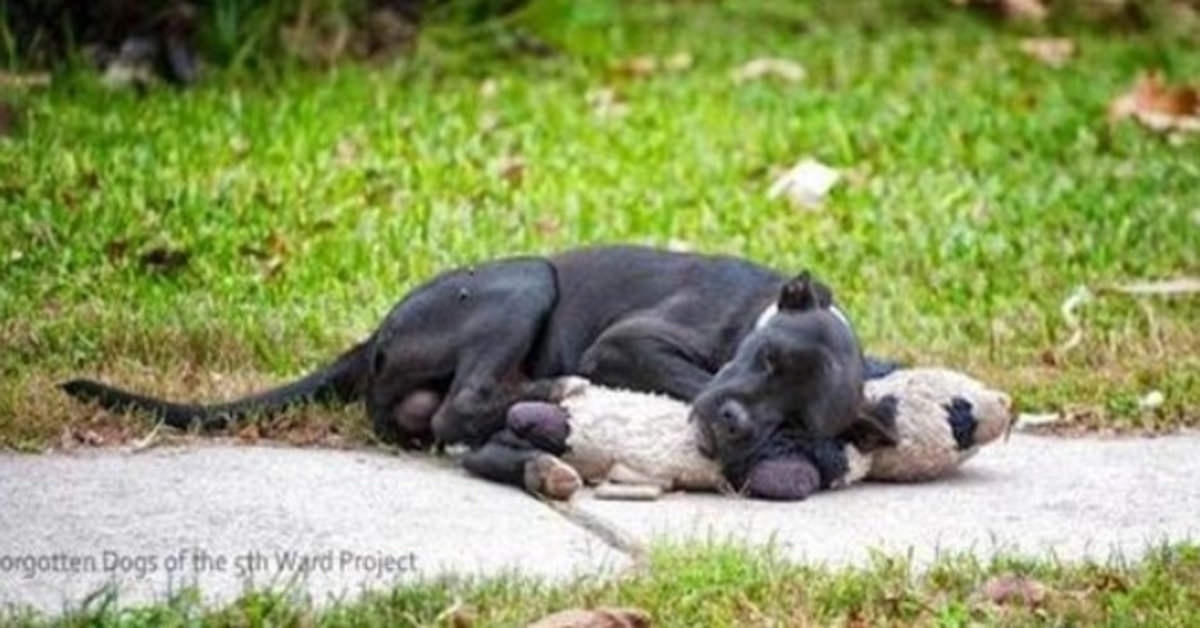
1073, 498
224, 516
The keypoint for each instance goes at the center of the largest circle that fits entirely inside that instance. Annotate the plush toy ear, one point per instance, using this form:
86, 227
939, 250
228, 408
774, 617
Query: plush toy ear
802, 293
875, 426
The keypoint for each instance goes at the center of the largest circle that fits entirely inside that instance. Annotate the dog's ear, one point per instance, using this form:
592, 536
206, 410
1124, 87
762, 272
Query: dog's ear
801, 293
875, 426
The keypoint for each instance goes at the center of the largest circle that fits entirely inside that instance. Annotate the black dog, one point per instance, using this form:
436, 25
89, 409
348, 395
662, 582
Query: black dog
805, 345
632, 317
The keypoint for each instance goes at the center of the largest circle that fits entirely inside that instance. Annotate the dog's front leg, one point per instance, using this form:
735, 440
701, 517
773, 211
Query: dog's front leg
648, 354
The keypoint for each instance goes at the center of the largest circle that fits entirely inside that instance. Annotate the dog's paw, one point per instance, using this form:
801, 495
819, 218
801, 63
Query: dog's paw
548, 476
570, 386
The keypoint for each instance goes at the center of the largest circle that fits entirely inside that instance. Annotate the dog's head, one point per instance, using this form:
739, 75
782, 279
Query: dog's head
800, 369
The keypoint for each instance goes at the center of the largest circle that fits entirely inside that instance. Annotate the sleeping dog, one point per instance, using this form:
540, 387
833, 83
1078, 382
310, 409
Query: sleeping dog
752, 349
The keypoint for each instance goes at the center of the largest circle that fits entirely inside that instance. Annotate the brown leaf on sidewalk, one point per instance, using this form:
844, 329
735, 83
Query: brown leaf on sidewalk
769, 67
1159, 106
595, 618
1053, 51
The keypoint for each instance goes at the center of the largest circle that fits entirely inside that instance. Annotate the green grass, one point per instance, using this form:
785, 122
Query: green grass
203, 243
718, 585
983, 188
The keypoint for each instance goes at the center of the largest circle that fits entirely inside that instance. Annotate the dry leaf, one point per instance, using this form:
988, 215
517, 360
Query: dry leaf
766, 67
606, 103
164, 259
595, 618
1026, 10
806, 184
8, 119
1053, 51
637, 67
1158, 106
489, 88
679, 62
346, 152
1014, 589
15, 81
511, 169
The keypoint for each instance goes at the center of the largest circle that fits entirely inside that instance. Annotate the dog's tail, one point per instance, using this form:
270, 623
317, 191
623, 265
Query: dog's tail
341, 382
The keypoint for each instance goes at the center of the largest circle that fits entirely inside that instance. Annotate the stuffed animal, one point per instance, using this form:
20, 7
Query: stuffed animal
638, 445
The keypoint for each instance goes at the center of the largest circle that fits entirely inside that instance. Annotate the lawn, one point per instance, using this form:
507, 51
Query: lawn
206, 242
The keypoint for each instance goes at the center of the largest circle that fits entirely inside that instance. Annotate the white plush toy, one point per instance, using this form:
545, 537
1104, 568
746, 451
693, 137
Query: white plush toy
637, 445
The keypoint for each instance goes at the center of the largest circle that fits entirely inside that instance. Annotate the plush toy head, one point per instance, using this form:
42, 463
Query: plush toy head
942, 418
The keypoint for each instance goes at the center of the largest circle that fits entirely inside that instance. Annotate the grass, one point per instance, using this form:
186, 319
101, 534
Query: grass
251, 227
719, 585
204, 243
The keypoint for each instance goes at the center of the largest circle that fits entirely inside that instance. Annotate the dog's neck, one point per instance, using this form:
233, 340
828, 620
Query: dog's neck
773, 309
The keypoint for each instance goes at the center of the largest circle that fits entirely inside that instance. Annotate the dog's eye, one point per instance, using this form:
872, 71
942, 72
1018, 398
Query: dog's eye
770, 359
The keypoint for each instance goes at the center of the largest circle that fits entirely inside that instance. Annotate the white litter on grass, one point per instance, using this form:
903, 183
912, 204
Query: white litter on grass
806, 184
757, 69
1179, 285
1152, 400
1032, 421
1070, 309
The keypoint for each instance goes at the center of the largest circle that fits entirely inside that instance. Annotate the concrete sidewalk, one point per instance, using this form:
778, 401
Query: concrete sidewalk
223, 516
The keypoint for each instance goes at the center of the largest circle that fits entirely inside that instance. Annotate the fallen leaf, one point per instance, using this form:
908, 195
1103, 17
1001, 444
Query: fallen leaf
346, 151
679, 62
768, 67
606, 103
489, 88
1158, 106
806, 184
1014, 589
239, 145
249, 434
595, 618
8, 119
164, 259
511, 169
1053, 51
14, 81
637, 67
116, 249
1024, 10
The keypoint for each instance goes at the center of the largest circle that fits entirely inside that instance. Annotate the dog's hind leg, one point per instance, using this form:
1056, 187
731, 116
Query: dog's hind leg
467, 335
508, 459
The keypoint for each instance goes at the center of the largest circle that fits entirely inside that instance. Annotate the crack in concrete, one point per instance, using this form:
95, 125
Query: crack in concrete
606, 531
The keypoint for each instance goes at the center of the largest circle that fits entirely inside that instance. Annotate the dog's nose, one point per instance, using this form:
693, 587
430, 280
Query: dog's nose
734, 419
